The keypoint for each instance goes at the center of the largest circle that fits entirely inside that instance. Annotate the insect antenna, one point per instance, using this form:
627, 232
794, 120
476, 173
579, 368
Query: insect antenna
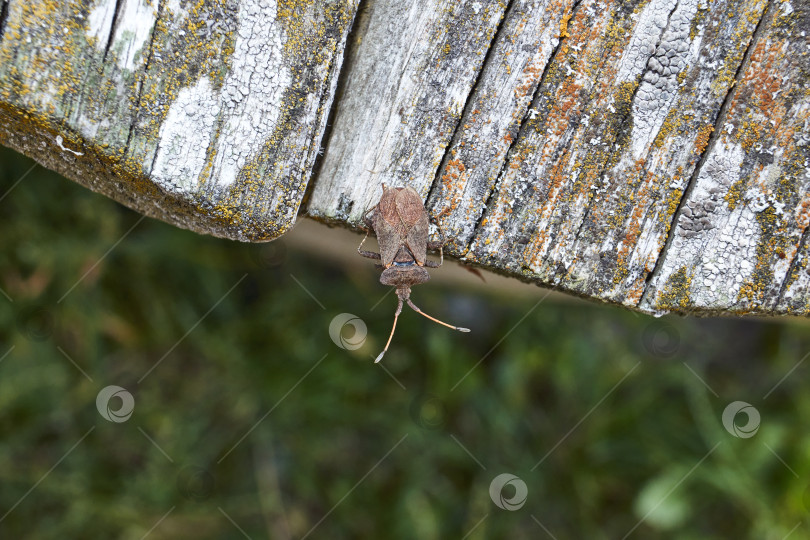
416, 309
396, 316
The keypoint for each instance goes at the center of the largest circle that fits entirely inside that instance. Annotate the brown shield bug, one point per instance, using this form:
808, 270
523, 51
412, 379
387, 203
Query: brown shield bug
401, 224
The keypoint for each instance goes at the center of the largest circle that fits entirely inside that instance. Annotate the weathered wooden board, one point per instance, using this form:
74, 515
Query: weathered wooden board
587, 193
407, 80
576, 144
207, 114
530, 34
650, 153
739, 243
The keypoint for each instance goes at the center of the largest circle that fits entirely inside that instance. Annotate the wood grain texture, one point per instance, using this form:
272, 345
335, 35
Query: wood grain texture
496, 108
648, 153
407, 80
207, 114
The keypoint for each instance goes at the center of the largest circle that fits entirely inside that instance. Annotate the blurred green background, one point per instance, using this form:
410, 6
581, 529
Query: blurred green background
249, 421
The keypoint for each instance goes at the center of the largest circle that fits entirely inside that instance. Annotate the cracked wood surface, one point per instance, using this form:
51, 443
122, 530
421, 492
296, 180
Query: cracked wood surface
649, 153
206, 114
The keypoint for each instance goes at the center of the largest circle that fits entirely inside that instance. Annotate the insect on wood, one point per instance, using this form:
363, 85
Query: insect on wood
401, 224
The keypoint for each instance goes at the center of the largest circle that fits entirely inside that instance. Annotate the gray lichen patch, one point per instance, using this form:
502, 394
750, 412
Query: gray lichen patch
658, 90
243, 111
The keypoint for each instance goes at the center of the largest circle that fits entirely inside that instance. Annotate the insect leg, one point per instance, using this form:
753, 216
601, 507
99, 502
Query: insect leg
396, 316
364, 253
419, 311
366, 219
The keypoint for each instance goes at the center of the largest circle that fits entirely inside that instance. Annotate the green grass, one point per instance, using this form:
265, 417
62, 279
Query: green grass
265, 421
